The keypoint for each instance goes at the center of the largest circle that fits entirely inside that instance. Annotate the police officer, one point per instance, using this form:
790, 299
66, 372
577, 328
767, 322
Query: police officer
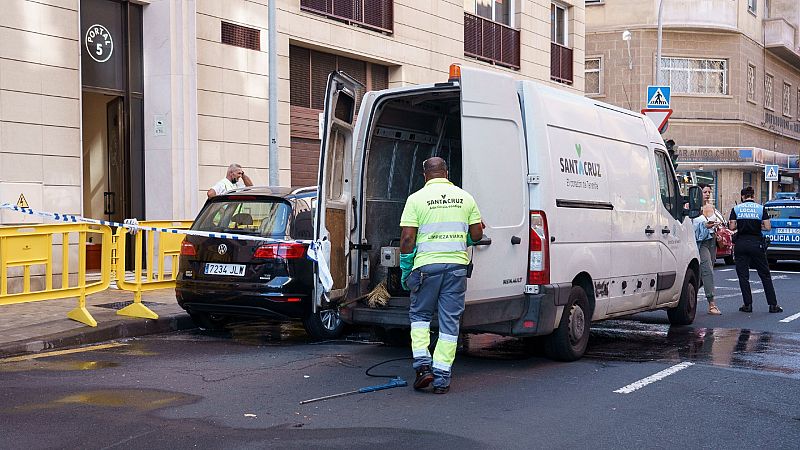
438, 223
749, 218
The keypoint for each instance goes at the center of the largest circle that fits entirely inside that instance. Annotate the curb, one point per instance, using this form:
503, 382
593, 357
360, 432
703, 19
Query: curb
106, 331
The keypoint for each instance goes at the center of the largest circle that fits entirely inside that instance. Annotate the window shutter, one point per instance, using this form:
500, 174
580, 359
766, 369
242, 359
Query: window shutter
241, 36
322, 64
300, 76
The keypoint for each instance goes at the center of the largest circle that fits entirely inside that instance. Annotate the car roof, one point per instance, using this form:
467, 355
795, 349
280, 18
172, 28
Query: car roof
274, 191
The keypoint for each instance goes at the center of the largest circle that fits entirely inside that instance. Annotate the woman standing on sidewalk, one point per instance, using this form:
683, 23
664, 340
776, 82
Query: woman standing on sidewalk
704, 226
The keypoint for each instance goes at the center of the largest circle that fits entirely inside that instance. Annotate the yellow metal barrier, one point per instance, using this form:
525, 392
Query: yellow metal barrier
29, 246
163, 250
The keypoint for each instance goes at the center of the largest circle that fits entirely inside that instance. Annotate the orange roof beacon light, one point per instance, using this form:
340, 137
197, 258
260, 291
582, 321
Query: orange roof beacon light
455, 72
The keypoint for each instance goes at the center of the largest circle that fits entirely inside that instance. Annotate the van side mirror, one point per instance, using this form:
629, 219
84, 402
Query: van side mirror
695, 201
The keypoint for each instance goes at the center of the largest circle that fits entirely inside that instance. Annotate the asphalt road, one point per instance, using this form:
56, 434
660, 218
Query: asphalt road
729, 381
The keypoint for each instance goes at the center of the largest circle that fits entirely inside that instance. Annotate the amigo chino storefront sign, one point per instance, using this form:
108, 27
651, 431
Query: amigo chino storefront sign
690, 157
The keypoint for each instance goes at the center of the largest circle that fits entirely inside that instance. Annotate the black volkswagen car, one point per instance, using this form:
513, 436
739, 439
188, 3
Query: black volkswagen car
221, 278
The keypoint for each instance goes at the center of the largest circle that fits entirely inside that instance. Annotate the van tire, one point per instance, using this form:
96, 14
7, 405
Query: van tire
568, 342
684, 313
324, 324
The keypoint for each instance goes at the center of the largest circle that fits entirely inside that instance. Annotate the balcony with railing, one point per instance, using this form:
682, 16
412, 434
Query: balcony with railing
377, 15
491, 41
780, 39
560, 63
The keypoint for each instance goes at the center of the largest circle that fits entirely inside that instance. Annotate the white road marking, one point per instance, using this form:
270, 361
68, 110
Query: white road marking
738, 294
790, 318
725, 270
653, 378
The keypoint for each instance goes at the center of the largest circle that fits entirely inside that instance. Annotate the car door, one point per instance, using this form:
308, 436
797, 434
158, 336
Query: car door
334, 218
494, 172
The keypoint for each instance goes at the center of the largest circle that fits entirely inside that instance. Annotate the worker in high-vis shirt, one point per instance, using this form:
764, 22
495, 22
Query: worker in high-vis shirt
438, 223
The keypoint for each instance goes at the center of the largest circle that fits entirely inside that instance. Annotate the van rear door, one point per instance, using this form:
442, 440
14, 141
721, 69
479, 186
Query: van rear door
335, 202
494, 171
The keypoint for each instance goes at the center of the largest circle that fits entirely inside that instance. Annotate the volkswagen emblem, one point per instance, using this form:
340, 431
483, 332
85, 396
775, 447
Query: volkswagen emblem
222, 249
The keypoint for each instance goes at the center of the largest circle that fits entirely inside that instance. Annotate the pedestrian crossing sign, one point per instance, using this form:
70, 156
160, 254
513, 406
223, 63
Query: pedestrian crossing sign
771, 173
658, 97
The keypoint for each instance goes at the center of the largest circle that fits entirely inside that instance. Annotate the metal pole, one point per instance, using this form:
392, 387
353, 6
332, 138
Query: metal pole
273, 95
658, 46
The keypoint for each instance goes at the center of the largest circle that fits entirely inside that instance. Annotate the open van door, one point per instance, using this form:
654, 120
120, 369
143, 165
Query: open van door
334, 216
495, 169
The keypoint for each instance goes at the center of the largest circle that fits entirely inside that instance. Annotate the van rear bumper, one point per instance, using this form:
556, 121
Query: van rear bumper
522, 315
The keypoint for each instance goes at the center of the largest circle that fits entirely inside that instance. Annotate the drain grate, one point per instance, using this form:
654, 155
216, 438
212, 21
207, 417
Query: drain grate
120, 305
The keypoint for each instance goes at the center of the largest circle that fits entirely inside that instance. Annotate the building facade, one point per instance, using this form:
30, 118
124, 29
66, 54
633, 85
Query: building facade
734, 71
113, 108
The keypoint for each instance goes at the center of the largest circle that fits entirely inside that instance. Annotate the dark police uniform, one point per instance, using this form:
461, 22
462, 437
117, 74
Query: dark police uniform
750, 249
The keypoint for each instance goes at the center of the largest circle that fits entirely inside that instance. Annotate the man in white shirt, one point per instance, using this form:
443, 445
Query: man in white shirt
234, 179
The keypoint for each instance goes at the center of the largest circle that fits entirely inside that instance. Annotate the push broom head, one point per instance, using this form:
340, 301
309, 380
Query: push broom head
379, 296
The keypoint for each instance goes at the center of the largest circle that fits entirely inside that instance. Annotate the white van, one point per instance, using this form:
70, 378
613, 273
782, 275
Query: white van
584, 217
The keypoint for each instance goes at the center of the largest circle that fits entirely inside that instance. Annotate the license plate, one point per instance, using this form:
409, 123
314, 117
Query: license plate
788, 230
236, 270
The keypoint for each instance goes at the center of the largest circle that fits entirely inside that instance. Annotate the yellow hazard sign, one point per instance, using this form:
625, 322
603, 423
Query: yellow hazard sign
22, 203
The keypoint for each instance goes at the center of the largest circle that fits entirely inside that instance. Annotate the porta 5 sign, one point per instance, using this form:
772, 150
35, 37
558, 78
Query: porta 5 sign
99, 44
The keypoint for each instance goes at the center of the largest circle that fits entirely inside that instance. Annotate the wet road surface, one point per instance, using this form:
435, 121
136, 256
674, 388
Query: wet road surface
726, 386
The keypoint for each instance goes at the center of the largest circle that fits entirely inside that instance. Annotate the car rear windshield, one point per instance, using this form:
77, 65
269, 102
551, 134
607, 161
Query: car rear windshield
263, 217
783, 212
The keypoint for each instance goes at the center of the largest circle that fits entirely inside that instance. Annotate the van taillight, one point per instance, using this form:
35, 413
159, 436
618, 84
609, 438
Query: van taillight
280, 251
539, 260
187, 249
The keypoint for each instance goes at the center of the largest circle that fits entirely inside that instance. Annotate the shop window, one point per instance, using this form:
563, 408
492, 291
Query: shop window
695, 76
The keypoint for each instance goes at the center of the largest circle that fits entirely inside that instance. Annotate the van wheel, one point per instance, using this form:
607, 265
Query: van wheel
729, 260
683, 314
209, 322
324, 324
568, 341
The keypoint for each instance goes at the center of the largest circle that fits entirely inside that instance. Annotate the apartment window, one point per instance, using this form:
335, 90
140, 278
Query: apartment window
500, 11
560, 53
589, 2
374, 14
240, 36
695, 76
752, 6
489, 33
751, 83
787, 100
594, 76
768, 81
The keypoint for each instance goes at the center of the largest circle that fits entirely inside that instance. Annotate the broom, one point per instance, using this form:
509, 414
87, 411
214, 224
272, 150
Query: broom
376, 298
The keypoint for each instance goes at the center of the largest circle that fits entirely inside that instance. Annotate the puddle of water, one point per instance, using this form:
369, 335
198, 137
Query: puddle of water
139, 399
55, 365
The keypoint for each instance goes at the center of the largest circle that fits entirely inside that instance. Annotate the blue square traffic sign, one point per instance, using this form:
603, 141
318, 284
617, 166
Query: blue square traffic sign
658, 97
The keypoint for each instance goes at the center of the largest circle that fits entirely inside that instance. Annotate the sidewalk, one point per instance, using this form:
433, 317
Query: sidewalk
39, 326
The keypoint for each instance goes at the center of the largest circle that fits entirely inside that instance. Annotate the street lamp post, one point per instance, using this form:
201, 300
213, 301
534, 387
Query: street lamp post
273, 94
658, 45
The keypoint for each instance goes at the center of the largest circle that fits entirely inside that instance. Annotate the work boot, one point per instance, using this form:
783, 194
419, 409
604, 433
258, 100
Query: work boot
775, 309
424, 377
746, 308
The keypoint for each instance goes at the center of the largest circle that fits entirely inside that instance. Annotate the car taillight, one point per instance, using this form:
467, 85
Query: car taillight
539, 261
280, 251
187, 249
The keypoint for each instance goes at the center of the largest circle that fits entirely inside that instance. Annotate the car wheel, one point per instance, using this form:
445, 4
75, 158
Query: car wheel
568, 342
683, 314
209, 322
324, 324
729, 260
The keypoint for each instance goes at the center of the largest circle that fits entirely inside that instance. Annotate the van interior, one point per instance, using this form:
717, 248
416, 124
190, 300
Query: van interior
406, 131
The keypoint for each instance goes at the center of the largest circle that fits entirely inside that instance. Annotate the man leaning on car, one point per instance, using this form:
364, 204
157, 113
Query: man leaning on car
235, 178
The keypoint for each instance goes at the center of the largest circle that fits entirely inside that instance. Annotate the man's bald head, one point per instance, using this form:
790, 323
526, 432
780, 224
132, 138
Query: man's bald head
434, 167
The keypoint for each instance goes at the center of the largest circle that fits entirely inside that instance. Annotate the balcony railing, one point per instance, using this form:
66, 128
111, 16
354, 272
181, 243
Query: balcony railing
560, 63
374, 14
491, 41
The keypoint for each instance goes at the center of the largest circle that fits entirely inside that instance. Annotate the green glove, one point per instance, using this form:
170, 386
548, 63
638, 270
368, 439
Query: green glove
406, 264
470, 242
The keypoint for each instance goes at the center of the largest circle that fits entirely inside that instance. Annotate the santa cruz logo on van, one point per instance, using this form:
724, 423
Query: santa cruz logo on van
579, 166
